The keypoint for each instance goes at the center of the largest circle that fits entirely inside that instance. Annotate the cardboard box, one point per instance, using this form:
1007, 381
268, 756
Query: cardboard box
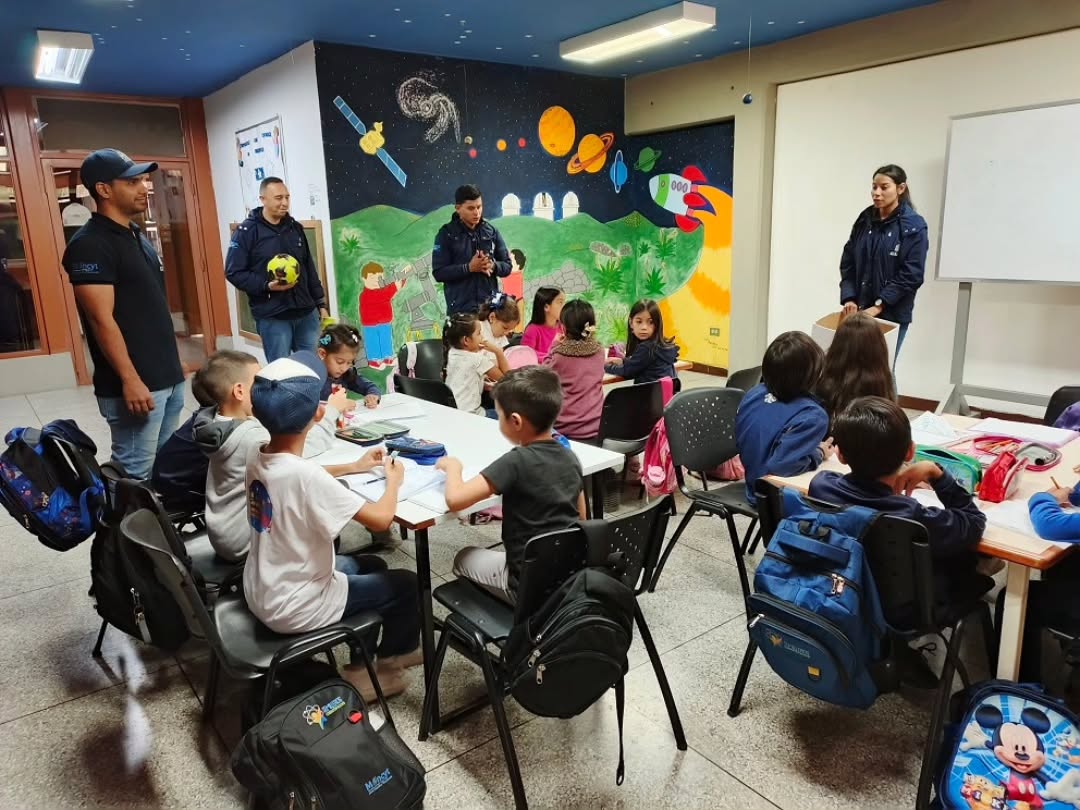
824, 330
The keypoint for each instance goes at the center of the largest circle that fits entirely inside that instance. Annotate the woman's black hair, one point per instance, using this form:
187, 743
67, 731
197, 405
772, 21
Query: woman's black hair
339, 336
578, 319
502, 306
456, 328
544, 296
898, 176
650, 306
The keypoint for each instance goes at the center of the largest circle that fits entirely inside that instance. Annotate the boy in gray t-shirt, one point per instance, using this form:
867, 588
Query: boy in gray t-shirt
540, 480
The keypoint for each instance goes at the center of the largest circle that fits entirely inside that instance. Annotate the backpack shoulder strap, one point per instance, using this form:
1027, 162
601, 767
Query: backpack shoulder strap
620, 708
667, 389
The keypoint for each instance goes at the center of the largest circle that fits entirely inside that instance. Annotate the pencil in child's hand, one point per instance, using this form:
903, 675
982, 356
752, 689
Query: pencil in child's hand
1055, 483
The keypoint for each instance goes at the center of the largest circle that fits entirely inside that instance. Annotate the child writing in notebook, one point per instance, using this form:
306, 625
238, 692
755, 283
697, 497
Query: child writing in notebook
649, 355
470, 361
540, 480
499, 317
544, 324
339, 344
579, 361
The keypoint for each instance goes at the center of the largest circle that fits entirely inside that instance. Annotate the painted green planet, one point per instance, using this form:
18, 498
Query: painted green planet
646, 159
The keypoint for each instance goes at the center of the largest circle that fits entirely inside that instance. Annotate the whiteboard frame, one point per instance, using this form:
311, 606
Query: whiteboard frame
945, 192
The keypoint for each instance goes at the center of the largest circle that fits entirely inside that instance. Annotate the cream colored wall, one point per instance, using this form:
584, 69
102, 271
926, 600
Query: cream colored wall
712, 91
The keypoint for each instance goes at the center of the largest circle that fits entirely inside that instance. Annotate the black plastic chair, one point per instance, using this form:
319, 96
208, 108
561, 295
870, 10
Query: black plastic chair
1059, 401
428, 390
628, 417
701, 436
898, 553
745, 379
239, 643
478, 619
429, 360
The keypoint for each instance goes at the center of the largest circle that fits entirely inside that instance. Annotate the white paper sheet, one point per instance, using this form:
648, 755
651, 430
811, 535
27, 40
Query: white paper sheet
927, 497
417, 479
930, 429
1014, 515
394, 411
434, 498
1054, 437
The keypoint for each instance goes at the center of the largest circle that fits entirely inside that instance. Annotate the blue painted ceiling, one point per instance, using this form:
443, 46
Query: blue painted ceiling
177, 48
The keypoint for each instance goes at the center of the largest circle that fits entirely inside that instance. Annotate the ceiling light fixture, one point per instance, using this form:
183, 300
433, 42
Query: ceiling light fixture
658, 27
62, 56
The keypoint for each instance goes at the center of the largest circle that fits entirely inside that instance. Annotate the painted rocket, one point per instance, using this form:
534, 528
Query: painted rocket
677, 193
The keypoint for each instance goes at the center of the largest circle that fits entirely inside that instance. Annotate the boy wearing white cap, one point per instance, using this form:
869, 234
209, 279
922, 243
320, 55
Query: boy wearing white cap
293, 582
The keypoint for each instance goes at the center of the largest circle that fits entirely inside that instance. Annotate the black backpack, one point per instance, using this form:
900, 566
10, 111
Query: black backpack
51, 483
320, 750
127, 593
573, 649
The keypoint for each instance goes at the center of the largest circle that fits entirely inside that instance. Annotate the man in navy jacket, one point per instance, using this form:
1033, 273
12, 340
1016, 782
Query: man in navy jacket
469, 255
287, 314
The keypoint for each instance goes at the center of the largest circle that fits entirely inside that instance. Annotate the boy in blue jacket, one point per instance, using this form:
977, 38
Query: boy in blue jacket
780, 428
873, 437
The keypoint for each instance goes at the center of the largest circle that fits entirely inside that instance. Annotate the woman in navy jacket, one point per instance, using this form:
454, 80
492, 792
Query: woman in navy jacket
885, 257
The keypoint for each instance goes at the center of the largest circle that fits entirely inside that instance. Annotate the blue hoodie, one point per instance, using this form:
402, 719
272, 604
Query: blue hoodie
885, 259
778, 438
254, 243
1051, 522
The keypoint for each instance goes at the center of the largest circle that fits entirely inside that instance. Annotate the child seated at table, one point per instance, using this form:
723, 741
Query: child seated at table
780, 428
499, 317
873, 437
339, 345
179, 473
293, 582
1052, 600
540, 480
470, 361
856, 365
650, 354
228, 434
579, 361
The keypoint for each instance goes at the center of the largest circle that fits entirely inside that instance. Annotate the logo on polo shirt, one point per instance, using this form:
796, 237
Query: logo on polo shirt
90, 268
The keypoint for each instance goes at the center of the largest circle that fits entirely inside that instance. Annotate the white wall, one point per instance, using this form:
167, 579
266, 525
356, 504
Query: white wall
831, 133
285, 87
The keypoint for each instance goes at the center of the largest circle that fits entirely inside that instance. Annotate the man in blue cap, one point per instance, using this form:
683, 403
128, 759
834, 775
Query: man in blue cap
119, 284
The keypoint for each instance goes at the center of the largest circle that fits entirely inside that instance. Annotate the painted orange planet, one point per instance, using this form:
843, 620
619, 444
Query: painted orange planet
591, 153
557, 131
500, 145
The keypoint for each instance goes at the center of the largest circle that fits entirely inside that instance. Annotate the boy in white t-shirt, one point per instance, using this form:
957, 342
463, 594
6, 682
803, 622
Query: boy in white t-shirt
293, 582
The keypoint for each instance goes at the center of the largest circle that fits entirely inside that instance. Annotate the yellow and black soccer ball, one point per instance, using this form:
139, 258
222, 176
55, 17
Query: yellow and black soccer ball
283, 267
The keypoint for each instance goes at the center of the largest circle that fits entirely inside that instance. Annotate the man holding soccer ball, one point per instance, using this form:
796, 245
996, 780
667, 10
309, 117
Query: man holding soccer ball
270, 260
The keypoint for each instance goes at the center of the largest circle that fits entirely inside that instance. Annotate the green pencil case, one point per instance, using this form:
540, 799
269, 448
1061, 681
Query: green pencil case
965, 469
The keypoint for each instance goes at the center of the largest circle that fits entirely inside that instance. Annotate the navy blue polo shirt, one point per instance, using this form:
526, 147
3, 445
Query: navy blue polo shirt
104, 252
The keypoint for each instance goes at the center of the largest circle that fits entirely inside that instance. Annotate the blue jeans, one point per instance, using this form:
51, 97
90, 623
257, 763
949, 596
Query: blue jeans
900, 335
283, 337
391, 594
378, 342
136, 439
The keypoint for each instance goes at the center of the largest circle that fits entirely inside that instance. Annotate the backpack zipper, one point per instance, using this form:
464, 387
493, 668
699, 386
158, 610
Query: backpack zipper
839, 582
814, 619
568, 628
292, 800
140, 617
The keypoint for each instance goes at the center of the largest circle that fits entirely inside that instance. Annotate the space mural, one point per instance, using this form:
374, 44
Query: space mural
581, 205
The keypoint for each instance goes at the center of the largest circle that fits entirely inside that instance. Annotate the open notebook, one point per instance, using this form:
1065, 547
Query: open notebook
372, 485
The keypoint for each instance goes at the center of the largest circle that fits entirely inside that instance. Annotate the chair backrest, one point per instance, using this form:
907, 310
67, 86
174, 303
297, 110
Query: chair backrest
631, 412
428, 390
142, 528
132, 494
521, 356
549, 561
638, 537
897, 551
700, 426
429, 360
1059, 401
744, 379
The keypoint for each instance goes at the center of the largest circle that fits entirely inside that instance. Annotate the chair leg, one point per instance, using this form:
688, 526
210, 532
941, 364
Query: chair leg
746, 547
495, 692
100, 638
756, 542
740, 562
661, 677
938, 716
740, 682
990, 636
671, 545
210, 697
427, 721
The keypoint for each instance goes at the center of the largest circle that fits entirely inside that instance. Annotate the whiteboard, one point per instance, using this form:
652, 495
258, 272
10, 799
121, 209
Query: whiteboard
1012, 197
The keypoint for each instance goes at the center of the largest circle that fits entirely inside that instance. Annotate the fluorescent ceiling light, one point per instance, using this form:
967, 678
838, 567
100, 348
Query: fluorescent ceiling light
638, 33
62, 56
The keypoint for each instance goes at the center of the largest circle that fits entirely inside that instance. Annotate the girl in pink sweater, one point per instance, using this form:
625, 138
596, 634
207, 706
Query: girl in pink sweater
544, 326
579, 361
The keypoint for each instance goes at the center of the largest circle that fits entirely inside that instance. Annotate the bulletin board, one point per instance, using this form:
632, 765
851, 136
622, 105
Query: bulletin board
314, 234
260, 153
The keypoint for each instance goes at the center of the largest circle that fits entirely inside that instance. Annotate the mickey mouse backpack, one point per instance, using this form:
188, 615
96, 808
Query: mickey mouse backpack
1011, 747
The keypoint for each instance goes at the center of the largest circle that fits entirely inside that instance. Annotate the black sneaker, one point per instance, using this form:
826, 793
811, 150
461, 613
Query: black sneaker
915, 670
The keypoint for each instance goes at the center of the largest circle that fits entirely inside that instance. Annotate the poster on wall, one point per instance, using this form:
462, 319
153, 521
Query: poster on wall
260, 153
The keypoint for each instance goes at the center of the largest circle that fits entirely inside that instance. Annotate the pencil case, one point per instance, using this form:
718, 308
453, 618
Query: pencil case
422, 451
965, 469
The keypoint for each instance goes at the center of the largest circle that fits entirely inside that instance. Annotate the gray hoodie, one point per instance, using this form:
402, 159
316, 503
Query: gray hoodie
230, 445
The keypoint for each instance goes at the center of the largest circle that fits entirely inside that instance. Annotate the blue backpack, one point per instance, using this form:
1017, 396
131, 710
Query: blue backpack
815, 612
51, 483
1010, 745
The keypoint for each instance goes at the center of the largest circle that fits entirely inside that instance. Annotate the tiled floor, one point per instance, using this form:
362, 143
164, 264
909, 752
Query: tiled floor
125, 731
